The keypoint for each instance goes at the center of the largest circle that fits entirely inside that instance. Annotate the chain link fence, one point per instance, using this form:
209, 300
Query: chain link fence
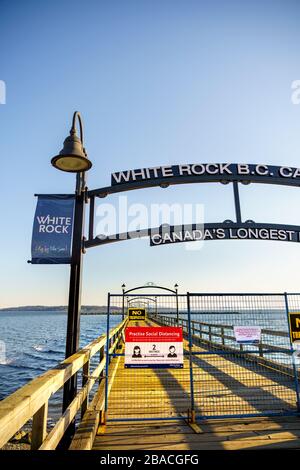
221, 377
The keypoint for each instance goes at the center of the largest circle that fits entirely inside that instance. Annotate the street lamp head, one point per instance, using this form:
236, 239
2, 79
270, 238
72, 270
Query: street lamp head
73, 158
176, 285
123, 286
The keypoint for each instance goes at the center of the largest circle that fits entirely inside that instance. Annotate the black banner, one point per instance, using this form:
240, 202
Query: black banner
52, 230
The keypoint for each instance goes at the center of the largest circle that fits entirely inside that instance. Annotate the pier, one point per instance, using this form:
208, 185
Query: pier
226, 396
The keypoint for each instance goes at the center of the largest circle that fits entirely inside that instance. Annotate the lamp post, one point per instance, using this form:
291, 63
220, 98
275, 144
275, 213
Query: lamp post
73, 159
123, 301
177, 310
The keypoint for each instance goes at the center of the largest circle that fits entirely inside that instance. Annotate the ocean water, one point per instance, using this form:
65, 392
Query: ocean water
33, 342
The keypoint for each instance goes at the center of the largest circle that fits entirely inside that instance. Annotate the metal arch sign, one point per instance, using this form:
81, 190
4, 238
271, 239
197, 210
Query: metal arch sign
213, 231
164, 176
233, 231
209, 172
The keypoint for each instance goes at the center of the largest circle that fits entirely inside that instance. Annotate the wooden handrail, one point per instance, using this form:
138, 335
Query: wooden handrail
283, 334
205, 337
208, 332
219, 325
31, 400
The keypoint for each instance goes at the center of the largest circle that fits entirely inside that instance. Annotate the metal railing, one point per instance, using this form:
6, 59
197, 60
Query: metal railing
204, 334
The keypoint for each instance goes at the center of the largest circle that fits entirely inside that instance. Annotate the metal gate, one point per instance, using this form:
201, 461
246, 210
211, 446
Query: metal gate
221, 378
148, 394
231, 379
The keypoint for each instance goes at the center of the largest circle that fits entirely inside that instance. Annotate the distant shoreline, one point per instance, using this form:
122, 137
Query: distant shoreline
85, 309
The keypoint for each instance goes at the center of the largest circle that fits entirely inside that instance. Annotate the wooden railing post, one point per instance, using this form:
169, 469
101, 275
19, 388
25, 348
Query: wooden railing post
39, 427
222, 335
100, 359
85, 378
119, 340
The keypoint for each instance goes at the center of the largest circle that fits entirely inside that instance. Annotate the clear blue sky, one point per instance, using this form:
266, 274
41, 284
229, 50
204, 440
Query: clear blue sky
157, 82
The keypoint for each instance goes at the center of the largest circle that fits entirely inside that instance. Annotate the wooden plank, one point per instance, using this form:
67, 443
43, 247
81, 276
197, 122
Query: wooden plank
85, 378
166, 439
61, 426
214, 426
55, 435
39, 427
134, 439
86, 432
266, 444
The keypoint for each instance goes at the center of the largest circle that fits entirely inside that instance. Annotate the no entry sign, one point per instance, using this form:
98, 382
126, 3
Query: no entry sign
294, 321
153, 347
136, 313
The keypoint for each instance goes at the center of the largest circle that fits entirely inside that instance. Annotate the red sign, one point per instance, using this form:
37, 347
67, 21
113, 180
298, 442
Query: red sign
158, 347
145, 333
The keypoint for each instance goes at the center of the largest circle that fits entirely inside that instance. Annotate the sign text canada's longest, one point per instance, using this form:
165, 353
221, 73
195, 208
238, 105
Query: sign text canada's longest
210, 172
215, 232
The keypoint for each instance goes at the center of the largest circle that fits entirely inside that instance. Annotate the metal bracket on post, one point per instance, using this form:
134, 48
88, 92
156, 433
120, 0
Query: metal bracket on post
191, 416
83, 249
102, 423
177, 307
292, 351
191, 421
91, 217
192, 410
102, 417
237, 202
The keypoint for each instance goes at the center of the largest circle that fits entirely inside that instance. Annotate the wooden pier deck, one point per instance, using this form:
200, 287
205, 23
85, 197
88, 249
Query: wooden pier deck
233, 434
166, 392
219, 382
142, 402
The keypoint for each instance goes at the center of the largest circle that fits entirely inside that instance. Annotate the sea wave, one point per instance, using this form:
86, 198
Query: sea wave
44, 349
37, 347
6, 362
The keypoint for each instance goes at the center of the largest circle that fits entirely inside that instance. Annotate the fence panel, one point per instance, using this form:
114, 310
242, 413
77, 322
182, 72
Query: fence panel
221, 377
232, 379
149, 393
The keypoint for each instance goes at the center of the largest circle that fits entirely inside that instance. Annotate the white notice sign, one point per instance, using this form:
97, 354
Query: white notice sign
247, 334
